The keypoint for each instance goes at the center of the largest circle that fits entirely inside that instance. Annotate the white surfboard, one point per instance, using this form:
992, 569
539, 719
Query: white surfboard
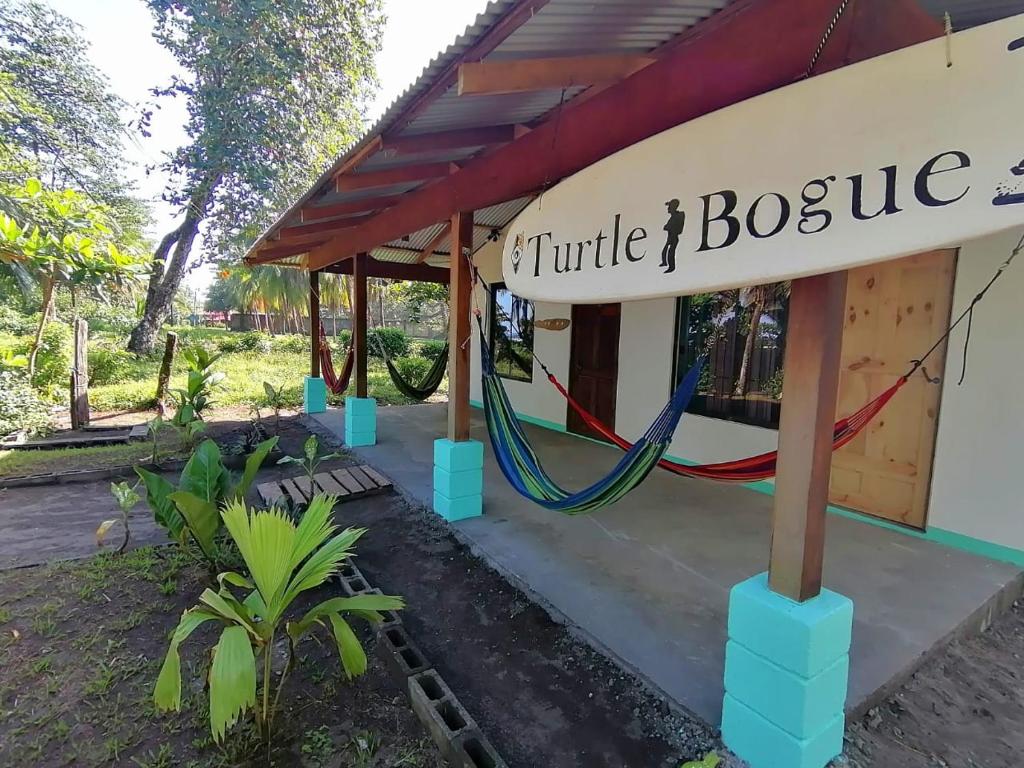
895, 155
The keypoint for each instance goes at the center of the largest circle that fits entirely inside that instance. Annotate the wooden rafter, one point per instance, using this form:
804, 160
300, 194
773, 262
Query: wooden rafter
367, 204
435, 241
393, 270
386, 176
430, 142
329, 226
735, 58
275, 252
514, 76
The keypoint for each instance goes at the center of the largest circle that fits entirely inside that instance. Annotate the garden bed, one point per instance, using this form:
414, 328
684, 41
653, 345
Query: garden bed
80, 648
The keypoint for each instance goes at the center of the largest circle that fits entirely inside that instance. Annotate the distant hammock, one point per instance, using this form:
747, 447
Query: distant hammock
431, 381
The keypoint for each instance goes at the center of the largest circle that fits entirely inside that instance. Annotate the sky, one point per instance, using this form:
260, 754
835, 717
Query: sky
122, 47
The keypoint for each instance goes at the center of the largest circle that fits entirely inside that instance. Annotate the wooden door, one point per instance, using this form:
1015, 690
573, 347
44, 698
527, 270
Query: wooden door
894, 312
594, 364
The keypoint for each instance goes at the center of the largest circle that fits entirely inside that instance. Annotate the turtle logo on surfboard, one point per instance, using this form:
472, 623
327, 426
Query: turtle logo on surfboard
1010, 192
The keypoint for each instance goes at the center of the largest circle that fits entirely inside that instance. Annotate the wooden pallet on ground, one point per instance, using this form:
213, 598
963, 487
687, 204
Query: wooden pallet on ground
346, 483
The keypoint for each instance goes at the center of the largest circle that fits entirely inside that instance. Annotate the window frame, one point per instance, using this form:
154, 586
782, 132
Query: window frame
683, 357
492, 323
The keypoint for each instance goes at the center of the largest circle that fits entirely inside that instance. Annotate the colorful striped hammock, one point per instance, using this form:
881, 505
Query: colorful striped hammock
521, 467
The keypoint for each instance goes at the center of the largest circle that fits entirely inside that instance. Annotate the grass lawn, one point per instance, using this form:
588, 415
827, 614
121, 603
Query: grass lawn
18, 463
80, 648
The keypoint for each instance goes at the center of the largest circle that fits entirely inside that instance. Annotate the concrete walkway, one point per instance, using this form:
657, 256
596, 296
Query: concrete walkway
648, 578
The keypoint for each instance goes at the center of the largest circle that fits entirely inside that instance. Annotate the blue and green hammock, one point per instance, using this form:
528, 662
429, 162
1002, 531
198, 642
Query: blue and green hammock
522, 469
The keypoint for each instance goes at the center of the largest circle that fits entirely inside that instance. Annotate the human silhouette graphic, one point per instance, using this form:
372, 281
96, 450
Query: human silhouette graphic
673, 229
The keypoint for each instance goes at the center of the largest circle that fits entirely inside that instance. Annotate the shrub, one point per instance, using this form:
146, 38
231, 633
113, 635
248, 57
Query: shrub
110, 366
53, 361
345, 337
13, 322
20, 407
250, 341
431, 349
413, 369
393, 340
293, 344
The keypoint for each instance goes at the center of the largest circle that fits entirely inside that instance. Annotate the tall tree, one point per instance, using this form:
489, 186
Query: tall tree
274, 91
59, 121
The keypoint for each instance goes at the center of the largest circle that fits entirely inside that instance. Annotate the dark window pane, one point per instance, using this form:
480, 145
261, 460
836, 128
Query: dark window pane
743, 334
511, 334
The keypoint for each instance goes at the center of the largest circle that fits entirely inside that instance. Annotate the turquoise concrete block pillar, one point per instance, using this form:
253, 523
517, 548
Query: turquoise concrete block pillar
458, 478
360, 421
786, 670
314, 395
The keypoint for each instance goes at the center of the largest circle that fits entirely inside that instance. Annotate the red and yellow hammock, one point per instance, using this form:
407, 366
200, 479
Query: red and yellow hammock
750, 469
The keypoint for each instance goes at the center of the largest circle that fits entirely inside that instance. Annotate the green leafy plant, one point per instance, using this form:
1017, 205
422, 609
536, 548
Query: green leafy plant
711, 760
126, 497
276, 400
197, 395
311, 458
20, 406
284, 560
190, 511
391, 341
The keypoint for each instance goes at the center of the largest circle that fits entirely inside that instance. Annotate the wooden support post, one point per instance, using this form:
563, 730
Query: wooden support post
814, 337
164, 377
459, 328
314, 323
359, 310
80, 377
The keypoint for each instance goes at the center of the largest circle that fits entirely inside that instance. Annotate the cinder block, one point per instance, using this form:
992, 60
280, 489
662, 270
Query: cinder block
314, 395
458, 509
804, 638
453, 456
764, 745
361, 414
801, 706
350, 570
473, 750
357, 586
400, 654
442, 714
357, 439
467, 482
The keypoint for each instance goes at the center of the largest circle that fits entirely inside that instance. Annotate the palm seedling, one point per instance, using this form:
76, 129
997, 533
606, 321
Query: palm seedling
284, 560
311, 457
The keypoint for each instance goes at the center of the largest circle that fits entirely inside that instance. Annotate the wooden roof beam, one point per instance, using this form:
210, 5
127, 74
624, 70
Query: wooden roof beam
394, 270
327, 227
432, 246
430, 142
274, 252
734, 55
390, 176
517, 75
318, 212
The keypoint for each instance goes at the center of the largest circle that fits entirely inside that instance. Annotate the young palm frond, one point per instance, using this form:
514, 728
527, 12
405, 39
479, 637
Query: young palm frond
284, 560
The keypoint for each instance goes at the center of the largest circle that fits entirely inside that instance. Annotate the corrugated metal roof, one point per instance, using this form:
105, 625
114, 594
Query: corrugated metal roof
558, 28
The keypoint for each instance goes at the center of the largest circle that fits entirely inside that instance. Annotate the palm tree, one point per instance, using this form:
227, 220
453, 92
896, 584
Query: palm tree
760, 299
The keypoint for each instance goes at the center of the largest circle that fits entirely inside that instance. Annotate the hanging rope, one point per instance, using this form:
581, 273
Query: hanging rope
829, 29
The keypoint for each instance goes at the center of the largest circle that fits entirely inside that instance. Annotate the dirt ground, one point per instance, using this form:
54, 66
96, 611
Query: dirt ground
963, 709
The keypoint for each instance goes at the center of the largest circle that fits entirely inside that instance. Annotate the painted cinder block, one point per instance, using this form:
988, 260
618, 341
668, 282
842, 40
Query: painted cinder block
458, 509
314, 395
361, 414
453, 456
801, 706
804, 638
468, 482
357, 439
764, 745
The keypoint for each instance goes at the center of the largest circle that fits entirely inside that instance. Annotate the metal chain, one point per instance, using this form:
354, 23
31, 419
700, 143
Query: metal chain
825, 38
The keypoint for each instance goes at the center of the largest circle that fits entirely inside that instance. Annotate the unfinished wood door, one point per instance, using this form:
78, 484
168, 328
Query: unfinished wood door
894, 312
594, 364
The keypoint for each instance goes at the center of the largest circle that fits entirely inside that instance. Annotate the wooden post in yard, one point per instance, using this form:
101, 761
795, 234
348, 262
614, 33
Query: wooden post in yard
814, 338
80, 377
359, 310
314, 323
461, 284
164, 378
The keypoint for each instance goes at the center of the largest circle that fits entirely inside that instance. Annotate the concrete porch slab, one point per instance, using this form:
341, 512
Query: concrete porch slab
648, 579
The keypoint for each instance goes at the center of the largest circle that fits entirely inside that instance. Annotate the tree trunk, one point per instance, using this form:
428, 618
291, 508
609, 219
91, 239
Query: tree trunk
166, 364
44, 316
756, 309
164, 282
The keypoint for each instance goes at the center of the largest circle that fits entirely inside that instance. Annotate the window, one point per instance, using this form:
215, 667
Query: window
743, 334
511, 331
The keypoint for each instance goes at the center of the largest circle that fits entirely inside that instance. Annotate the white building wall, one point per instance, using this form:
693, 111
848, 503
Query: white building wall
979, 449
979, 444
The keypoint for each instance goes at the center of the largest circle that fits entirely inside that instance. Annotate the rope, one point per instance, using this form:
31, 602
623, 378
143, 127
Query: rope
829, 29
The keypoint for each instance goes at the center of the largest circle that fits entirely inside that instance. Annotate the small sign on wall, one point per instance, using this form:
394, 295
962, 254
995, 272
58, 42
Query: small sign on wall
892, 156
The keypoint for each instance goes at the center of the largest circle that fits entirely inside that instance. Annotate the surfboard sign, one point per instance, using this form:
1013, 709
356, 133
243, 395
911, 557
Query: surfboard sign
892, 156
